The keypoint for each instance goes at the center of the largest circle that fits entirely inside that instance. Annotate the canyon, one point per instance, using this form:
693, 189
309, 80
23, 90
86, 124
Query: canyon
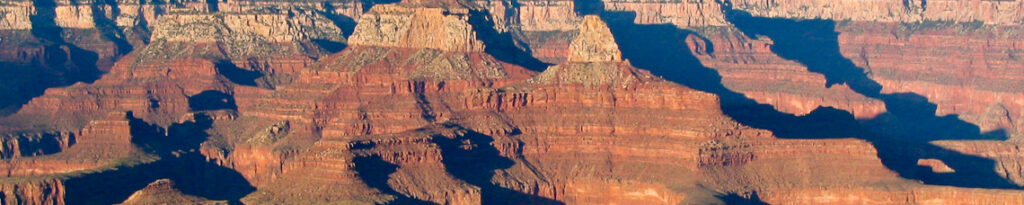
512, 102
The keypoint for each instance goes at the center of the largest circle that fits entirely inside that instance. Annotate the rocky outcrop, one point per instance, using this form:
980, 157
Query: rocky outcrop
749, 66
16, 16
371, 93
398, 26
35, 143
978, 81
231, 48
399, 168
245, 29
412, 107
149, 99
533, 16
897, 196
685, 14
33, 191
989, 12
85, 14
344, 9
102, 143
602, 135
163, 192
594, 43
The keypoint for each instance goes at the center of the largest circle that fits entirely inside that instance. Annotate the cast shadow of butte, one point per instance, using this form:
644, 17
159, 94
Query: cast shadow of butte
62, 64
901, 136
178, 148
375, 172
469, 157
477, 165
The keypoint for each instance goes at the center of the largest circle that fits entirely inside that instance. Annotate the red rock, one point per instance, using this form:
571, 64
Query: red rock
163, 192
415, 109
100, 144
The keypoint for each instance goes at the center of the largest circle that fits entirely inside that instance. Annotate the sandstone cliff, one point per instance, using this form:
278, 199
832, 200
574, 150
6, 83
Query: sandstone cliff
372, 92
594, 43
270, 102
398, 26
989, 12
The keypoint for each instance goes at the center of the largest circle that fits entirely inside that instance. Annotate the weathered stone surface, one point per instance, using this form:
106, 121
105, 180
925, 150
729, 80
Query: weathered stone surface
750, 67
978, 79
16, 17
102, 143
415, 109
244, 28
374, 94
395, 25
162, 191
38, 191
594, 43
990, 12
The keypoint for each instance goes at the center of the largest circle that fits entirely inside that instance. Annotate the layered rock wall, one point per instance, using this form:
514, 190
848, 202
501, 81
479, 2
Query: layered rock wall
987, 11
397, 26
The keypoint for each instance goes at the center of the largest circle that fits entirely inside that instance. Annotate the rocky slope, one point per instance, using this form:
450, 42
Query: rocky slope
749, 65
510, 102
383, 84
163, 192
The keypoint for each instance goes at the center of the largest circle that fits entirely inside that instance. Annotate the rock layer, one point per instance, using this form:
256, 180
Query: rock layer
398, 26
413, 107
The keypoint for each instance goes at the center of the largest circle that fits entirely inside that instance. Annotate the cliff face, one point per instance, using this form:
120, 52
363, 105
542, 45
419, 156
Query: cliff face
989, 12
239, 28
594, 43
41, 179
978, 79
361, 102
99, 144
750, 66
169, 75
619, 104
646, 102
397, 26
35, 143
616, 104
46, 191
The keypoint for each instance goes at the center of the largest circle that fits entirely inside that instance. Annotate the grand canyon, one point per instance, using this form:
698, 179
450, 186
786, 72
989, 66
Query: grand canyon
512, 102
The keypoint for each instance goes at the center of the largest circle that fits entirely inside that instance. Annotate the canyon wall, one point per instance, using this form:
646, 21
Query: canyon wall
652, 102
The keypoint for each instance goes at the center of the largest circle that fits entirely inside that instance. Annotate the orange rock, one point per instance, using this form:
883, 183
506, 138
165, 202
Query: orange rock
163, 192
394, 25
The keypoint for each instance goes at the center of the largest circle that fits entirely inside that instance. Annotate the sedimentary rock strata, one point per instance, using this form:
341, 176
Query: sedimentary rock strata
511, 102
398, 26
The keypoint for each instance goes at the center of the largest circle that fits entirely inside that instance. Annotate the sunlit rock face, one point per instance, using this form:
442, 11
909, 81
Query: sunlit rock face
511, 102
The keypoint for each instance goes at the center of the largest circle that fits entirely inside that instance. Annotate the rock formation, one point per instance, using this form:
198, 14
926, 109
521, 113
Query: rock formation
398, 26
163, 192
432, 101
377, 89
990, 12
594, 43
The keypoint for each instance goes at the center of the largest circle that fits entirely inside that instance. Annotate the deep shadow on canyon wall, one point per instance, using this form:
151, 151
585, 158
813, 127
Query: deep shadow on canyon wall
469, 157
476, 165
901, 136
375, 172
177, 147
49, 60
503, 45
